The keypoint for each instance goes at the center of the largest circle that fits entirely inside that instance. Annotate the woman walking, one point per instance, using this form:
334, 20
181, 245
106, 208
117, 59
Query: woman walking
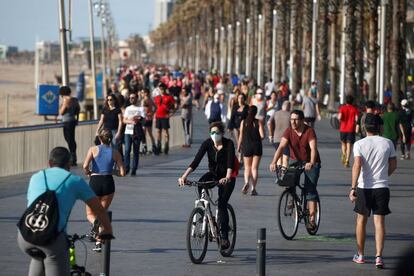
111, 118
186, 105
250, 144
101, 181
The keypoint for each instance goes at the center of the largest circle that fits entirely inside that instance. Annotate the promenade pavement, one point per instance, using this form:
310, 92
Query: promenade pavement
150, 215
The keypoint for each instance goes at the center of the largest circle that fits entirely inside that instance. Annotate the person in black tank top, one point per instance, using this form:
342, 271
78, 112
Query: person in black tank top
250, 144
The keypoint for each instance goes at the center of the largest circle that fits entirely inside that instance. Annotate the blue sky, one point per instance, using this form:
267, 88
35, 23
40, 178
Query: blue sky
22, 20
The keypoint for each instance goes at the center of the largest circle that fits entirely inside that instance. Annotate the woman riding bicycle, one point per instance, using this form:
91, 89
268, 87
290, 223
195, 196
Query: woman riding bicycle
221, 163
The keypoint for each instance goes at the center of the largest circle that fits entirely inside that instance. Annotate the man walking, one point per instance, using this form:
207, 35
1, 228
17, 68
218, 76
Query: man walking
374, 162
165, 104
348, 117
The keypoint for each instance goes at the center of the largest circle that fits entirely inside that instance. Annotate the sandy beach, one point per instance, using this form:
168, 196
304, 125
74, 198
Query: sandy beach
17, 81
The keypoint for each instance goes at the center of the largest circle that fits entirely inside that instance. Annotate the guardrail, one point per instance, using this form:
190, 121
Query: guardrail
26, 149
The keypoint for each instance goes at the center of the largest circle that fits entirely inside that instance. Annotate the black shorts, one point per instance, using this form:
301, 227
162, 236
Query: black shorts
148, 123
102, 185
372, 200
347, 137
250, 150
162, 123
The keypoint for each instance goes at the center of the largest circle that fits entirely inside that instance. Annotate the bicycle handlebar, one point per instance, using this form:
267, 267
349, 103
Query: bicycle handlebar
202, 184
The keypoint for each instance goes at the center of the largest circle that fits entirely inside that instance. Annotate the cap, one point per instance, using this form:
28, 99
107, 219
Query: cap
404, 102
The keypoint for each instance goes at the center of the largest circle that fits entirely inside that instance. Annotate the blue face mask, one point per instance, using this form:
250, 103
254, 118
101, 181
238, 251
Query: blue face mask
216, 137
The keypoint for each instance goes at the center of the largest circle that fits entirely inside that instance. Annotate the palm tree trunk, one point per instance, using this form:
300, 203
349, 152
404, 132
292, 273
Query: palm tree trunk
388, 64
350, 82
359, 49
395, 54
295, 59
281, 8
333, 20
373, 48
403, 43
322, 47
307, 43
268, 17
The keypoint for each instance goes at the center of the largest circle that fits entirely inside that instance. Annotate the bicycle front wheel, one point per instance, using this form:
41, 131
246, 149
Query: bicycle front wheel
196, 238
288, 215
232, 232
314, 230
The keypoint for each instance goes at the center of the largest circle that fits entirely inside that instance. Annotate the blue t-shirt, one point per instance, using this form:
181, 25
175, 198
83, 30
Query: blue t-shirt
74, 188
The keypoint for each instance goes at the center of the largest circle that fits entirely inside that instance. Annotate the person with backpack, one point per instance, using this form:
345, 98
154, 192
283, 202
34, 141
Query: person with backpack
51, 195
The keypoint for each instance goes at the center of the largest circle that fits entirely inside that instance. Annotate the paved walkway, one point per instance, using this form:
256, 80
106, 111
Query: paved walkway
150, 215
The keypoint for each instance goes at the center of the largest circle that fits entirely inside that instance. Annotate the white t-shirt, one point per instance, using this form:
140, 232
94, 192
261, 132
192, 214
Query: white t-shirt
375, 152
130, 112
269, 86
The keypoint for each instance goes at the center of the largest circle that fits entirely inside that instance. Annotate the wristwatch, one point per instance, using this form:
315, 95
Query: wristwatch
353, 189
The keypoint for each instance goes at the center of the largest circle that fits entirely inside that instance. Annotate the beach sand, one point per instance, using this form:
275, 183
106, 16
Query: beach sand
17, 81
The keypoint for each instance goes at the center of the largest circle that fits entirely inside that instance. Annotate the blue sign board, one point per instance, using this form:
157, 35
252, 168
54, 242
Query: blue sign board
99, 94
47, 101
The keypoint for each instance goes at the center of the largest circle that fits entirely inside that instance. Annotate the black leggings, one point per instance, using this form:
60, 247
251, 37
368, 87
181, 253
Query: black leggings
69, 134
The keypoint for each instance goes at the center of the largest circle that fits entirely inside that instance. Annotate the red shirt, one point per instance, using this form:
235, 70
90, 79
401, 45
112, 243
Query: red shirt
164, 103
348, 114
299, 145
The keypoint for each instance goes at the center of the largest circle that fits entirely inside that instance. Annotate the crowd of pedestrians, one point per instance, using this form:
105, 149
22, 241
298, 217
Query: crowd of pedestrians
143, 97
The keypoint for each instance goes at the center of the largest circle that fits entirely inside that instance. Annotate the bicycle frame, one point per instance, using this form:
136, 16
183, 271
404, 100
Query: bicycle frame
205, 201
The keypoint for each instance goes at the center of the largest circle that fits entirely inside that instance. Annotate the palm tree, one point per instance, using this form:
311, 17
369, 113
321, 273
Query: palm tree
282, 8
372, 48
294, 46
322, 46
268, 17
350, 82
359, 53
333, 70
307, 42
395, 54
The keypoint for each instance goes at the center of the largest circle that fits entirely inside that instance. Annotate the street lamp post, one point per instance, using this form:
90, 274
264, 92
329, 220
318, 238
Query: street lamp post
259, 50
384, 4
222, 52
248, 47
92, 50
314, 21
63, 43
343, 51
238, 48
229, 49
274, 45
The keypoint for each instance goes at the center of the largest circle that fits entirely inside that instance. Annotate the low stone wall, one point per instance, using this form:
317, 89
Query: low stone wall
26, 149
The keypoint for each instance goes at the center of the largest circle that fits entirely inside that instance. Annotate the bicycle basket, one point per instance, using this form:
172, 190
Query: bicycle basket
290, 179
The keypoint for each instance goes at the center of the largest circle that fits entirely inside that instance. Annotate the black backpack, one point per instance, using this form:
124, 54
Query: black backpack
39, 223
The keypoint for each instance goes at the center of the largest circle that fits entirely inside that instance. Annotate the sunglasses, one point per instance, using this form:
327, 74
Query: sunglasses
109, 100
214, 132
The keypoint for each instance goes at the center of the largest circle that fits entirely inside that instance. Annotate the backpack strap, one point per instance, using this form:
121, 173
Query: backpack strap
47, 187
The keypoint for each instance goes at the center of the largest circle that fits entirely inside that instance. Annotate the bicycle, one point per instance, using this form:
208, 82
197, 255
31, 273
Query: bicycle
75, 269
203, 226
293, 209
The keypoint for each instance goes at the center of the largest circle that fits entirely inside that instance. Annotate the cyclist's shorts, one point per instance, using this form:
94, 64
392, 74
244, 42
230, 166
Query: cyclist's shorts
372, 200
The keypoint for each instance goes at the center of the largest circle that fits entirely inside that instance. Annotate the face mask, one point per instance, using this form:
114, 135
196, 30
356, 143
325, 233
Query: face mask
216, 137
259, 96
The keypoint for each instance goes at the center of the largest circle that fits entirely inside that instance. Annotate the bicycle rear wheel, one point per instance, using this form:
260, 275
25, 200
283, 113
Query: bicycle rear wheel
288, 215
196, 239
232, 232
314, 230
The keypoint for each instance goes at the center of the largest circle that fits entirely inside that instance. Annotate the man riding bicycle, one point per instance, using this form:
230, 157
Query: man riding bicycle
221, 164
302, 143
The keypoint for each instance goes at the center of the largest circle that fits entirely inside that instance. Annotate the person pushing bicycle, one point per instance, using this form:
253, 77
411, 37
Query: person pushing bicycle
222, 167
302, 143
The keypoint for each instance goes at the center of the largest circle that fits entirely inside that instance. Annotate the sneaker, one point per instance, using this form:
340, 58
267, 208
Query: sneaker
379, 263
407, 156
402, 157
133, 172
94, 230
98, 247
359, 259
253, 192
225, 244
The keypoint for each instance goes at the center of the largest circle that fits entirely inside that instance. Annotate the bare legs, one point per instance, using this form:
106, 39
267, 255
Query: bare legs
251, 171
379, 223
105, 202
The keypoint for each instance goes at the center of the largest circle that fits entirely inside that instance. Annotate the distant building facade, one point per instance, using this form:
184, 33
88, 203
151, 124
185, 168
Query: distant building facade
163, 10
7, 51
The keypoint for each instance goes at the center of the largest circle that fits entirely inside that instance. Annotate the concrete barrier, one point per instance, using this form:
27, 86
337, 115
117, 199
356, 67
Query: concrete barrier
26, 149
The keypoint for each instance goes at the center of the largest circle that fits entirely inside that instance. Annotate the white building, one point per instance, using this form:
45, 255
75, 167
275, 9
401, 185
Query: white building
163, 10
